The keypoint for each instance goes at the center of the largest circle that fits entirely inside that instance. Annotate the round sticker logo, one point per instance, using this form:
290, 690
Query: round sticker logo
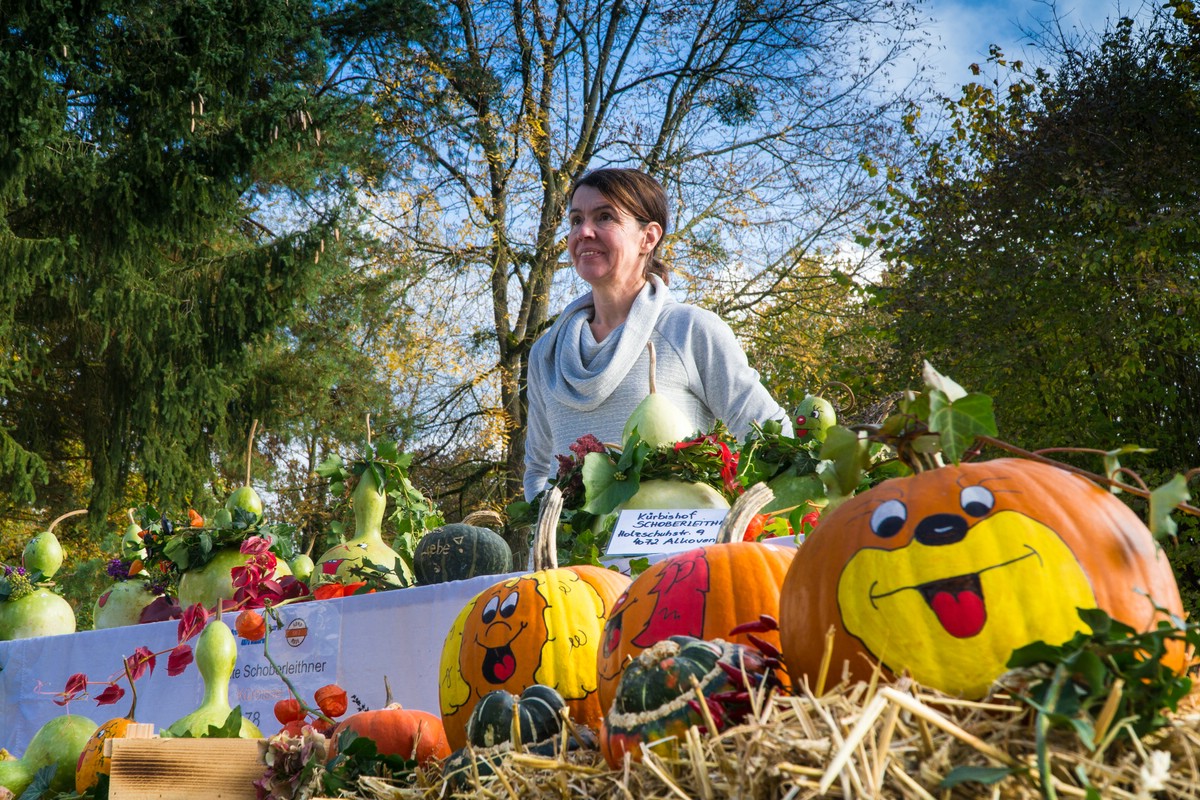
296, 632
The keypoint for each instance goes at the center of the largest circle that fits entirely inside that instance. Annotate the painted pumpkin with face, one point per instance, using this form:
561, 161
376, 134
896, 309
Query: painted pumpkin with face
944, 573
544, 627
703, 593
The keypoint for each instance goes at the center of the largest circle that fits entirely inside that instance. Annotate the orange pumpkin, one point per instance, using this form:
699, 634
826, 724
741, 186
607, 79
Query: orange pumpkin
397, 731
944, 573
702, 593
92, 761
543, 627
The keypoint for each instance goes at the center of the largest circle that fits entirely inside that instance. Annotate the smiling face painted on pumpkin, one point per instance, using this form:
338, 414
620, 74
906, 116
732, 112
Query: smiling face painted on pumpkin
507, 628
956, 579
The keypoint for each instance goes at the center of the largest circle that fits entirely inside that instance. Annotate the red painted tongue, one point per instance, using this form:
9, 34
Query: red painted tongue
506, 667
962, 614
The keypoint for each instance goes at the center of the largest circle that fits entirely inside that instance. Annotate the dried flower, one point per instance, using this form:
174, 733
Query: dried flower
294, 766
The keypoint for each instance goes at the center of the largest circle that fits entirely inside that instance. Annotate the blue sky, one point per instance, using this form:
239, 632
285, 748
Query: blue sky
962, 30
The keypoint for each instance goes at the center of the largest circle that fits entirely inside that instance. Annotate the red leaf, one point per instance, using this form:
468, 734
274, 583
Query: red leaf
141, 662
110, 695
255, 545
179, 659
192, 622
76, 684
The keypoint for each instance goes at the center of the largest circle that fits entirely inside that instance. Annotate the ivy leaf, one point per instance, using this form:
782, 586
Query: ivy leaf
1112, 461
939, 382
1163, 501
849, 457
40, 786
959, 422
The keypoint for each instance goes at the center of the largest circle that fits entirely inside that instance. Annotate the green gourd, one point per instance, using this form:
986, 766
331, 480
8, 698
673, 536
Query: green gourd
44, 553
216, 656
214, 581
459, 551
122, 603
814, 417
41, 612
665, 493
58, 743
658, 421
369, 501
132, 546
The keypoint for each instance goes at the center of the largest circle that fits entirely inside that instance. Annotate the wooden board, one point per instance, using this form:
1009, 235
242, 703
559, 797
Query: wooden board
185, 769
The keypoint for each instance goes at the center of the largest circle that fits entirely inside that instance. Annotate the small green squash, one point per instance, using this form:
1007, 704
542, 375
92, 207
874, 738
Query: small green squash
538, 711
459, 551
535, 715
656, 703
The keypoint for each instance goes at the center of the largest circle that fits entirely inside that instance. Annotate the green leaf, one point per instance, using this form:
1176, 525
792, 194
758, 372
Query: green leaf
331, 467
848, 454
1163, 501
960, 422
939, 382
982, 775
1112, 462
40, 786
604, 491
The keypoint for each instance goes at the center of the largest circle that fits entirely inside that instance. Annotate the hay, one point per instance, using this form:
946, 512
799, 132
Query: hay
861, 741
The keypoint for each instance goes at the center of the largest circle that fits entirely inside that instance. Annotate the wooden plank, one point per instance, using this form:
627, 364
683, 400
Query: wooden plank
185, 769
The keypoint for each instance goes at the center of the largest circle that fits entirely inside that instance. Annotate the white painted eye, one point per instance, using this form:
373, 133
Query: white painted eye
889, 518
976, 500
489, 610
509, 605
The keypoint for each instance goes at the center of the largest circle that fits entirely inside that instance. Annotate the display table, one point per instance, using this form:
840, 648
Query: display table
352, 641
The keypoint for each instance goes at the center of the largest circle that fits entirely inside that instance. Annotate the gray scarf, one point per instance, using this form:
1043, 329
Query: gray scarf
585, 380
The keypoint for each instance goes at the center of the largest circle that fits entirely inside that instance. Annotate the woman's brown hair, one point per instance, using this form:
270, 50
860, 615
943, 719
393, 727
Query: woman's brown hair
639, 195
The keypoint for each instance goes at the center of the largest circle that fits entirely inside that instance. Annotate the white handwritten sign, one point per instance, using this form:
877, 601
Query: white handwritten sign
649, 531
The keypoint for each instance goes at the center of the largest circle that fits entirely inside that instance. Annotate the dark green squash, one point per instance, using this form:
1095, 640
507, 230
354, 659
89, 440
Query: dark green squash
538, 710
656, 701
459, 551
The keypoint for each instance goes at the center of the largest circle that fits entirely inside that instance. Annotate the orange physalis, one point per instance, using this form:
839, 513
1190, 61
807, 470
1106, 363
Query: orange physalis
251, 625
331, 699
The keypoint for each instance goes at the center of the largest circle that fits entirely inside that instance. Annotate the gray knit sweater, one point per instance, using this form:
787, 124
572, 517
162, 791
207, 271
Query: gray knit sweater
579, 386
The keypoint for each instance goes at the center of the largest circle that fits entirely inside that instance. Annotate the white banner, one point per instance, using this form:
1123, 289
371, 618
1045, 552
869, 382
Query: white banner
354, 642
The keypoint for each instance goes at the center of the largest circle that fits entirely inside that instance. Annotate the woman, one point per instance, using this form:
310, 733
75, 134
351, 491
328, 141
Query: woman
591, 369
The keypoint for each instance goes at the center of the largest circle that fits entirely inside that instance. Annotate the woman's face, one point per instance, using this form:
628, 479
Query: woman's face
607, 245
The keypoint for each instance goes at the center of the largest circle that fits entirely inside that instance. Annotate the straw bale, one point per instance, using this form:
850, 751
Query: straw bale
863, 741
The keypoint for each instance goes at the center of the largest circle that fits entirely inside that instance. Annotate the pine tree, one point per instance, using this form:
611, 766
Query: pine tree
171, 194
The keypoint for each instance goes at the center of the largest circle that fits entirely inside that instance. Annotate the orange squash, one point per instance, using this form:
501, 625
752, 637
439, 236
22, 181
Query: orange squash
702, 593
543, 627
944, 573
412, 734
92, 761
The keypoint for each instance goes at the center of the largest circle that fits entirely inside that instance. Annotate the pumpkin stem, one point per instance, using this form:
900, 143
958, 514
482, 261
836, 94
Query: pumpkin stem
545, 550
132, 518
387, 692
368, 429
60, 518
484, 517
250, 449
733, 527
